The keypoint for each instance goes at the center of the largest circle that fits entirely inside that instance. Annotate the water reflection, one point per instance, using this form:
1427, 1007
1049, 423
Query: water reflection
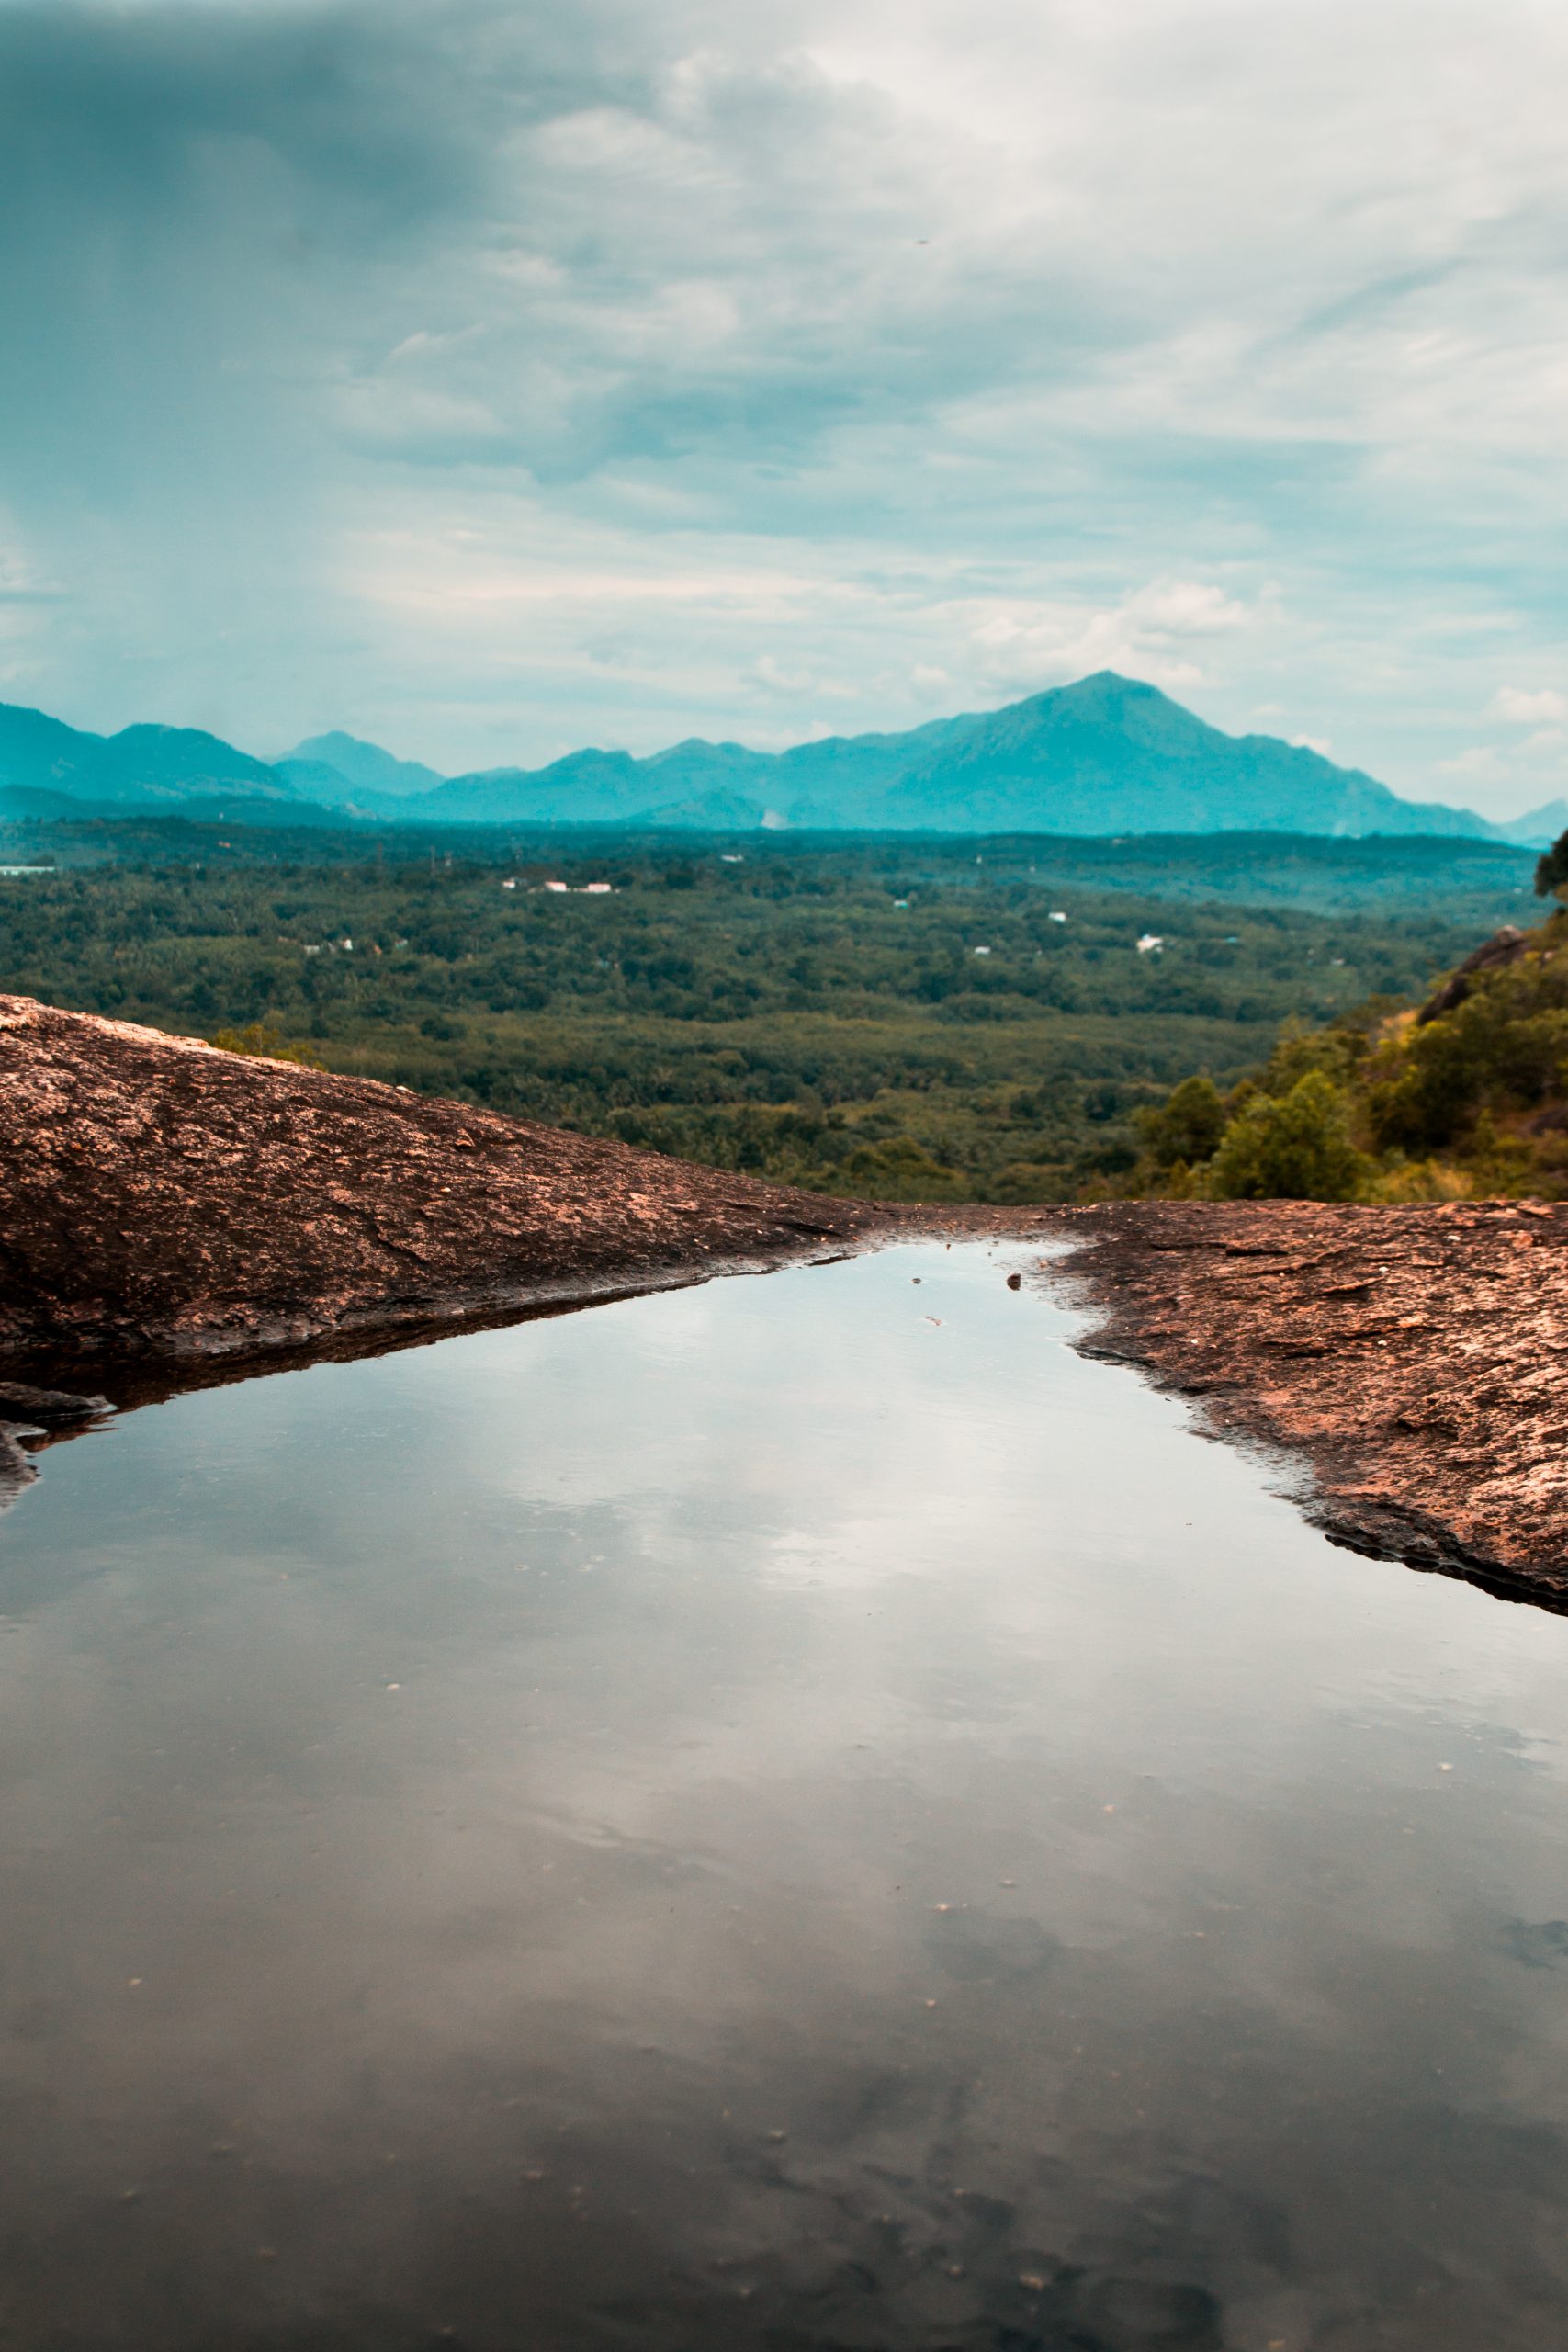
797, 1813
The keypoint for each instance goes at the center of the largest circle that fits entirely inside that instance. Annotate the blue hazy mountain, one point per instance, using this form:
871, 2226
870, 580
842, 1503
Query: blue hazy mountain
1105, 756
1537, 828
49, 769
359, 769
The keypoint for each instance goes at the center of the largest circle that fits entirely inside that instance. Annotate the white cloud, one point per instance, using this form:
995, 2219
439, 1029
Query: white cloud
1146, 632
1529, 709
646, 369
1181, 608
800, 685
1478, 766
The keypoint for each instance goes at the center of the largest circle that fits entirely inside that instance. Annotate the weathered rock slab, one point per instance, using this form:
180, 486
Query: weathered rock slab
1411, 1361
160, 1199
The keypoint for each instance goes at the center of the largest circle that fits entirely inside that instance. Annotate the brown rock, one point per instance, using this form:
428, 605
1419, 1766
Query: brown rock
50, 1409
1413, 1362
162, 1200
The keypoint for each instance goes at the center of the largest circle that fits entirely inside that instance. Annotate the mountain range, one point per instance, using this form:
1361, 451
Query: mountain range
1104, 756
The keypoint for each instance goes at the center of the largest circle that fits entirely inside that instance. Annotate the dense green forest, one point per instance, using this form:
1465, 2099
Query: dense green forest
1464, 1096
908, 1019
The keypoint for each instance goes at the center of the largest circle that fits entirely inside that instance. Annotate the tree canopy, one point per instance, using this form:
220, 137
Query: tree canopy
1551, 868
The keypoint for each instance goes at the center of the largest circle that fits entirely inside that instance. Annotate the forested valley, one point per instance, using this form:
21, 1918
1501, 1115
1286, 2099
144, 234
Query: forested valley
896, 1019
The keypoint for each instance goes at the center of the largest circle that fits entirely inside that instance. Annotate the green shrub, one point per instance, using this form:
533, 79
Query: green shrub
1296, 1146
266, 1044
1336, 1051
1506, 1045
1187, 1126
899, 1170
1551, 870
1022, 1182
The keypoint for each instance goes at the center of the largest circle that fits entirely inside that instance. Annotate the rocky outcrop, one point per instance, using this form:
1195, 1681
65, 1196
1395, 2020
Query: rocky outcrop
1505, 947
1411, 1362
160, 1199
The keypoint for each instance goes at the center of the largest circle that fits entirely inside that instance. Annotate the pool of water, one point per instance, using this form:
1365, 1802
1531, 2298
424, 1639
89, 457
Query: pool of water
791, 1815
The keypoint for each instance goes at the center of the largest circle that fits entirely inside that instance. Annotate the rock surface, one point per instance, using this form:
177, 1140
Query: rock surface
1508, 945
1412, 1361
160, 1199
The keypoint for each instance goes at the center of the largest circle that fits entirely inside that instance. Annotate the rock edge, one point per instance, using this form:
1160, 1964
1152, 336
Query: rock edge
161, 1198
1410, 1364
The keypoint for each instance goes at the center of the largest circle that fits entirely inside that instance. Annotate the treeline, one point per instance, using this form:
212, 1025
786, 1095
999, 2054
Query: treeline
902, 1019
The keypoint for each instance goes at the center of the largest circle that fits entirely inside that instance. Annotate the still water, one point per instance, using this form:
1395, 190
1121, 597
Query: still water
791, 1815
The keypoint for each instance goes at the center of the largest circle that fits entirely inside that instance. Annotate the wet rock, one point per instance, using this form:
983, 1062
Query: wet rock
50, 1409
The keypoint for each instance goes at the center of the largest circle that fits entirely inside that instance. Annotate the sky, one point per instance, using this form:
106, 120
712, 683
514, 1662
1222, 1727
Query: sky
492, 378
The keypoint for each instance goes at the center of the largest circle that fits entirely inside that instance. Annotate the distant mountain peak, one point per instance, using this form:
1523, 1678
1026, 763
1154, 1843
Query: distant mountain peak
1100, 686
1537, 828
365, 766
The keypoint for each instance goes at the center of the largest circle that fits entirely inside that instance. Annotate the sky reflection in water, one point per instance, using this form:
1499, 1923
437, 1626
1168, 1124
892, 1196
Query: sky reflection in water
791, 1814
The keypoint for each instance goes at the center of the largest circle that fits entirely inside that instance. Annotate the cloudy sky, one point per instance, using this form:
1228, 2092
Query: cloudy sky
493, 378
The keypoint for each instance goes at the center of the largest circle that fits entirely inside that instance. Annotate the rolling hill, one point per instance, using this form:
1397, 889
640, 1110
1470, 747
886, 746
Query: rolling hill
48, 769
